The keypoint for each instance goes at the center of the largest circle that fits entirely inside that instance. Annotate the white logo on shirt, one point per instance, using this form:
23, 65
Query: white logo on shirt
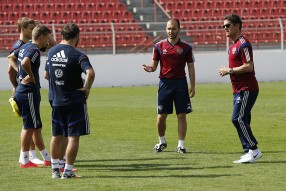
59, 57
180, 50
59, 73
21, 52
233, 50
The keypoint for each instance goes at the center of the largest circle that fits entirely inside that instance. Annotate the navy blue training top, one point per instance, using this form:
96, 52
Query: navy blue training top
65, 65
31, 51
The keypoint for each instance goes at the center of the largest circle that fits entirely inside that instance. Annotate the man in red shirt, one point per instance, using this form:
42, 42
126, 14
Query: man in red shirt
244, 85
173, 54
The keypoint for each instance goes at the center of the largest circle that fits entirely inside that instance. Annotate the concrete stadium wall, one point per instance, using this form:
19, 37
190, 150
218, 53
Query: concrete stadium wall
127, 70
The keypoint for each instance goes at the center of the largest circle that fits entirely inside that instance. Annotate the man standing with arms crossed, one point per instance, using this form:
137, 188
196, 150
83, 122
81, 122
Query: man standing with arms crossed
69, 95
26, 61
173, 54
244, 84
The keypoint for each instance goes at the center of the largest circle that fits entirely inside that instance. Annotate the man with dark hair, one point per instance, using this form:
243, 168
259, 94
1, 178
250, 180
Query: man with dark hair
244, 84
69, 94
26, 61
173, 54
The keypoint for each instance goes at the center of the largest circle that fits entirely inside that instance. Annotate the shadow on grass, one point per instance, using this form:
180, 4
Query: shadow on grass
170, 176
133, 159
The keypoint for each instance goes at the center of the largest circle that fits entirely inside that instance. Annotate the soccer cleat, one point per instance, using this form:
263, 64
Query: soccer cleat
67, 175
47, 163
63, 169
249, 157
28, 165
37, 161
160, 147
56, 173
181, 150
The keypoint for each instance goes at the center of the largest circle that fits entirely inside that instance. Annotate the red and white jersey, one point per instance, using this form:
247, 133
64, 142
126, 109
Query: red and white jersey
240, 52
173, 58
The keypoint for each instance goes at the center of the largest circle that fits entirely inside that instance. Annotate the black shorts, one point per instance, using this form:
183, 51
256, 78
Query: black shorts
173, 91
28, 102
70, 120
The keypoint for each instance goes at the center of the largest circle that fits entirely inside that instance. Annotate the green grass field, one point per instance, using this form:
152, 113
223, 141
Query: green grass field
119, 155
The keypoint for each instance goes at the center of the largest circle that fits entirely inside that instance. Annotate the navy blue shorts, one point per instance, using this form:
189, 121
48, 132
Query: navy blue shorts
173, 91
28, 101
70, 120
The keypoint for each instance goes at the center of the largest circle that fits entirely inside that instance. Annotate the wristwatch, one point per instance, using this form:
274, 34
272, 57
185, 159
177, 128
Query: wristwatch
230, 71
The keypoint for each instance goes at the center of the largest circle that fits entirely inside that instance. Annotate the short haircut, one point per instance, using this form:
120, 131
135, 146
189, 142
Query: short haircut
176, 20
40, 30
24, 22
235, 19
70, 31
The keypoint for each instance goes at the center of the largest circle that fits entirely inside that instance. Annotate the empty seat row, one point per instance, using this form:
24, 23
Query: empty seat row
174, 5
191, 13
57, 1
108, 15
93, 41
62, 7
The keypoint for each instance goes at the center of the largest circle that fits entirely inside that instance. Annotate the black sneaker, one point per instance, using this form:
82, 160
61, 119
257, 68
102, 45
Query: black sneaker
181, 150
67, 175
160, 147
56, 173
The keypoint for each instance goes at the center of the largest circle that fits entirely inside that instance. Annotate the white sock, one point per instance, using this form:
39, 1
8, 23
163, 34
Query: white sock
181, 143
32, 154
62, 163
45, 155
254, 151
162, 140
24, 157
55, 163
68, 167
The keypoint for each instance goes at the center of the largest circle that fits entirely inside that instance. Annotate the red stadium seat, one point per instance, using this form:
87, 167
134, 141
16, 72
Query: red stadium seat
59, 7
86, 16
199, 5
219, 5
170, 6
34, 15
17, 8
50, 7
189, 5
13, 17
39, 7
6, 7
55, 16
209, 4
4, 16
178, 14
80, 7
77, 17
206, 13
180, 5
257, 3
66, 17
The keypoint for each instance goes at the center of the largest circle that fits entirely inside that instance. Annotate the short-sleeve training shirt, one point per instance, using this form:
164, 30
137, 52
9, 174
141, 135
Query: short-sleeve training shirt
240, 52
173, 58
17, 44
31, 51
65, 67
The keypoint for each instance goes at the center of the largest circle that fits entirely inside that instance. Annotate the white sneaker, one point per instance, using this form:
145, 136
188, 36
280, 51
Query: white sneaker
250, 157
243, 155
37, 161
